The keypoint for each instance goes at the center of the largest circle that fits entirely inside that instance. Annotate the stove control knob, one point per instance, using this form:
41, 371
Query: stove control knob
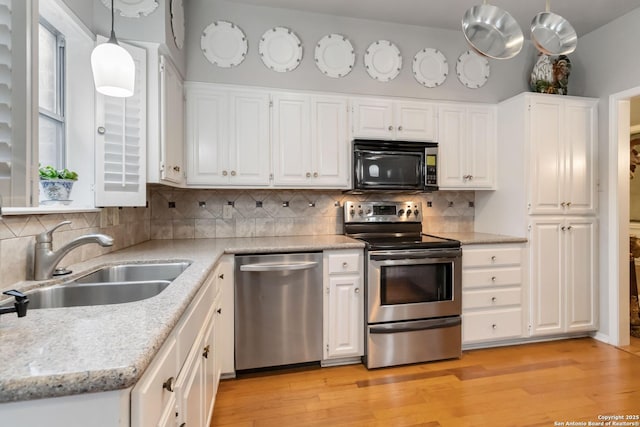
368, 211
352, 212
416, 212
401, 212
360, 212
408, 212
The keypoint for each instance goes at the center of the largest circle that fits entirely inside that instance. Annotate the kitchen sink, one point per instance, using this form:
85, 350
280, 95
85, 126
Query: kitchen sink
76, 294
109, 285
135, 272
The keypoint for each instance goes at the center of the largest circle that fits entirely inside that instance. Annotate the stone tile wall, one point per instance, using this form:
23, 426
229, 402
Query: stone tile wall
127, 226
179, 213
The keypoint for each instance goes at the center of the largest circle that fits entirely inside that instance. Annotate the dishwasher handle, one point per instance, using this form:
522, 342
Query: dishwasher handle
277, 266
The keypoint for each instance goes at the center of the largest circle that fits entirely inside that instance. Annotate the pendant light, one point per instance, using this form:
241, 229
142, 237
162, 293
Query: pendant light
113, 68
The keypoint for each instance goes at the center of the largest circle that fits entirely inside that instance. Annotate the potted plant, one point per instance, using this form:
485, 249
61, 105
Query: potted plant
56, 184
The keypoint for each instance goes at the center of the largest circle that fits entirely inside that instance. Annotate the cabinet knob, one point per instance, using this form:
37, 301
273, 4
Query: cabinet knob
357, 290
562, 204
101, 130
493, 278
494, 299
470, 177
308, 174
176, 168
568, 204
205, 352
315, 174
569, 228
494, 326
233, 173
219, 311
400, 128
168, 384
562, 228
493, 258
224, 173
390, 128
345, 264
221, 276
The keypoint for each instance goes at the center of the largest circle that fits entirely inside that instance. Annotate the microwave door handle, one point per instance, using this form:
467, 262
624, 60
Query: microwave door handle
420, 325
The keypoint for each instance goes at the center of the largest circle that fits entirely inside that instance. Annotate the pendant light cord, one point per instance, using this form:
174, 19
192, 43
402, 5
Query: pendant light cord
112, 36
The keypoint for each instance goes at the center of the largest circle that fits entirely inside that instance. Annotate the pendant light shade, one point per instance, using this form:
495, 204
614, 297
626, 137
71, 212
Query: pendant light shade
114, 71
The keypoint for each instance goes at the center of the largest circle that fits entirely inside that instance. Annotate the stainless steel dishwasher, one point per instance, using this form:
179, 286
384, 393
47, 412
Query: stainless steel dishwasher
278, 309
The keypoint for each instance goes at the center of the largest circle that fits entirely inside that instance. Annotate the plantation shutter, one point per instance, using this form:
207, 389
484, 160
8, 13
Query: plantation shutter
5, 98
121, 141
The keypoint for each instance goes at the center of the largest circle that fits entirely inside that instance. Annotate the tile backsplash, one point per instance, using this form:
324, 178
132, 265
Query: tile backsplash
188, 214
179, 213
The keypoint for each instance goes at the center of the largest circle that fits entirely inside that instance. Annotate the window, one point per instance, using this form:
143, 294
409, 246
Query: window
51, 80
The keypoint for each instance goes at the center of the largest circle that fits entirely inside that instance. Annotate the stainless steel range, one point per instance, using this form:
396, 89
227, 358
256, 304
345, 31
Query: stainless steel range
413, 287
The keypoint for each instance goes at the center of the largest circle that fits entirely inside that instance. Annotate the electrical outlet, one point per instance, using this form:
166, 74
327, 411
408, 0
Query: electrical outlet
227, 211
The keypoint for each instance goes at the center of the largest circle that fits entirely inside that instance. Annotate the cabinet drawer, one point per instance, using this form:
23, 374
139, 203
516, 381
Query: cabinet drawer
490, 257
149, 397
491, 325
491, 298
348, 262
191, 324
491, 277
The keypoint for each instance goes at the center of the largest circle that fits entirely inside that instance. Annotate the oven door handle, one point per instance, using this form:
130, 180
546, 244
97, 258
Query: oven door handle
415, 255
418, 325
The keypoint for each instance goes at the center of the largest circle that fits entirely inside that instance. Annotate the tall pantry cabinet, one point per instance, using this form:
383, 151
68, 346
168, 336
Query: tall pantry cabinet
547, 192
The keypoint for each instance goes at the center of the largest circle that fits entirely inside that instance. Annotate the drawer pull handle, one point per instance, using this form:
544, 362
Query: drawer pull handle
168, 384
494, 299
493, 258
493, 278
205, 352
494, 326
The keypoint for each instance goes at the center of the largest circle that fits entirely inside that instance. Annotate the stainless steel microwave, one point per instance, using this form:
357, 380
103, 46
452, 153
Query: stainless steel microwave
395, 166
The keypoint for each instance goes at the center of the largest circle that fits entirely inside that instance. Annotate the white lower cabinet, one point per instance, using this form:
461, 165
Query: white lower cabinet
492, 293
563, 275
181, 383
343, 304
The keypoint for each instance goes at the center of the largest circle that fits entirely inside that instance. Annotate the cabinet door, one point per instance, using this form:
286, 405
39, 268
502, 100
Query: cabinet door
345, 312
547, 283
191, 389
415, 121
171, 123
329, 143
209, 365
580, 141
546, 178
291, 140
373, 118
480, 147
451, 146
225, 332
207, 137
248, 139
581, 274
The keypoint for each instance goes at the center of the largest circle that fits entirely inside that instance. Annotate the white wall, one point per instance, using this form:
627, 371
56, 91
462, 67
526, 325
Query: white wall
508, 77
84, 10
606, 64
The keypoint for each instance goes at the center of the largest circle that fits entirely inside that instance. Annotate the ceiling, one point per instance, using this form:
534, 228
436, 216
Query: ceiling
584, 15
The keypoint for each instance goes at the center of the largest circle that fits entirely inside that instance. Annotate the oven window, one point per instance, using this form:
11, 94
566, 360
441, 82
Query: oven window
409, 284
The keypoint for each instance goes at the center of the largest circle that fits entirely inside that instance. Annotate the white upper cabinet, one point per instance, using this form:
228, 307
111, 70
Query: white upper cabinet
121, 142
227, 136
561, 144
378, 118
171, 123
467, 143
310, 141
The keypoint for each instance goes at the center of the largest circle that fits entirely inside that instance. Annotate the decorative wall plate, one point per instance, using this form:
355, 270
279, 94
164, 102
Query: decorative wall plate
473, 70
224, 44
177, 22
280, 49
334, 55
132, 8
383, 60
430, 67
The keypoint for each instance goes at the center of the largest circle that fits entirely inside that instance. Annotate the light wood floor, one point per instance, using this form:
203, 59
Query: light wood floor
526, 385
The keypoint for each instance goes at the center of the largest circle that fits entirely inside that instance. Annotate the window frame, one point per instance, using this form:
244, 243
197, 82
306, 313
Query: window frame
58, 116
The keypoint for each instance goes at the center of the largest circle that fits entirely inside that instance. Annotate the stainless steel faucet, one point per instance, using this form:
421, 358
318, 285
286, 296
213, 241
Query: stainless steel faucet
46, 260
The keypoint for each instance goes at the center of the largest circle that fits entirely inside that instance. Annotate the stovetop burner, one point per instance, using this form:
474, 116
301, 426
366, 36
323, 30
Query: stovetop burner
390, 226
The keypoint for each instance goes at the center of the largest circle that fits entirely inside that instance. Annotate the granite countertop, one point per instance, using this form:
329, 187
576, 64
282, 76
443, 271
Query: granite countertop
65, 351
472, 238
